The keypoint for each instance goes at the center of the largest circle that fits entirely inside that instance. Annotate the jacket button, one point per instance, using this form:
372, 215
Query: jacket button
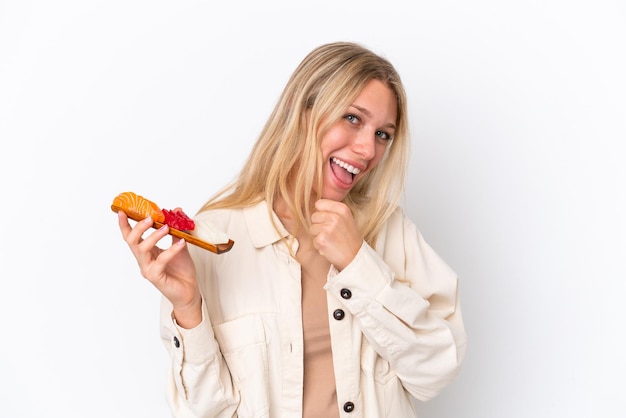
339, 314
348, 407
176, 342
346, 293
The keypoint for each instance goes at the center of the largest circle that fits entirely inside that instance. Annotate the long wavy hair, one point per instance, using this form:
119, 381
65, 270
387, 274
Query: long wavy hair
286, 159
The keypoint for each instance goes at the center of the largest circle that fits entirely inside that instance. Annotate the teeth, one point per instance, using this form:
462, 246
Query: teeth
346, 166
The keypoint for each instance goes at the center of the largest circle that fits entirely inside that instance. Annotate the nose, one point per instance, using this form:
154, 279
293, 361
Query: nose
365, 145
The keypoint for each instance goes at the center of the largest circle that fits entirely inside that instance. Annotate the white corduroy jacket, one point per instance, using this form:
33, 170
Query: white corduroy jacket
395, 325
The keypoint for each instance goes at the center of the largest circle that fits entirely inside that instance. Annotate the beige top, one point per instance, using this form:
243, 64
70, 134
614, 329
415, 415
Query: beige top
319, 392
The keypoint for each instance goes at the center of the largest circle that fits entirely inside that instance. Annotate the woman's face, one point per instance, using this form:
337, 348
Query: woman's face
357, 142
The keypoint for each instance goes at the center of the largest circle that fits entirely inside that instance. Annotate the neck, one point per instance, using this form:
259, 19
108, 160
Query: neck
289, 219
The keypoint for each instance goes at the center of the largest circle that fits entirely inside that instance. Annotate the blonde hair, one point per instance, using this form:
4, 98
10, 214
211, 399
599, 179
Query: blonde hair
286, 159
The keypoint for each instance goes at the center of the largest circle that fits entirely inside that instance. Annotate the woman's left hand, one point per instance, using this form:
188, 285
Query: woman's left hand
335, 233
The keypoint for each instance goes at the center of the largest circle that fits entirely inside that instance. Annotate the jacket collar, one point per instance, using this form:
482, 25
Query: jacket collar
262, 232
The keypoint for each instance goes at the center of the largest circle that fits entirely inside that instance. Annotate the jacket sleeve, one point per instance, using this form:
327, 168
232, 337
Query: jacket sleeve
405, 299
199, 384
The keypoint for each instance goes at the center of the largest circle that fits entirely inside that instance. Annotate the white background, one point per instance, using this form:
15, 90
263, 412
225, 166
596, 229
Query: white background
518, 113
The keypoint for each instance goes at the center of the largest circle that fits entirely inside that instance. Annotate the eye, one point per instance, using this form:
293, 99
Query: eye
351, 118
384, 135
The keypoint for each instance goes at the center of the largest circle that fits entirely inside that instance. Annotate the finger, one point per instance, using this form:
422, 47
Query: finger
326, 205
122, 220
319, 217
339, 208
315, 230
327, 220
151, 241
176, 240
165, 257
134, 235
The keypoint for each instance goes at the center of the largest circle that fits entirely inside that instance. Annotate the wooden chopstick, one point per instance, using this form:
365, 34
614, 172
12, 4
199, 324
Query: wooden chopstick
214, 248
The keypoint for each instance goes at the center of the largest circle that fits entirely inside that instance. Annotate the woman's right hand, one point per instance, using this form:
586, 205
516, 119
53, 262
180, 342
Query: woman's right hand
171, 271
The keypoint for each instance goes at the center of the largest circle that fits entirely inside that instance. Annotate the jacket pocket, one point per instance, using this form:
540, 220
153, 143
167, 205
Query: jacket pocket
374, 365
243, 345
391, 399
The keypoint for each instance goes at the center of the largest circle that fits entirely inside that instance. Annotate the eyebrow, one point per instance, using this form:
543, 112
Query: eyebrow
369, 115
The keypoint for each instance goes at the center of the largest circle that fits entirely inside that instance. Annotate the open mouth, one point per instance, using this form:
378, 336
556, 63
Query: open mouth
343, 171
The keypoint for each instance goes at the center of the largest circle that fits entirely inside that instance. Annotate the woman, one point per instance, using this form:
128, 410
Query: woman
330, 302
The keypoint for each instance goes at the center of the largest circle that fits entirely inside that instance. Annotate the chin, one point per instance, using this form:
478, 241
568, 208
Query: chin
334, 195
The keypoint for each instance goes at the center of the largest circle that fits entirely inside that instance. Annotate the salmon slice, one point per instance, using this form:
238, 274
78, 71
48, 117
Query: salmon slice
141, 207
